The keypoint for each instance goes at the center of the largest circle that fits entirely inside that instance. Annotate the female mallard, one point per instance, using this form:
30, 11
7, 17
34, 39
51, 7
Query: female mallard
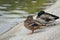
31, 24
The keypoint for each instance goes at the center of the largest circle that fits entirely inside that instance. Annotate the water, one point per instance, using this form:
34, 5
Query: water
10, 16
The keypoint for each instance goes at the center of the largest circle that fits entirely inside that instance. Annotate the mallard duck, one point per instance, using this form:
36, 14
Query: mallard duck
46, 17
31, 24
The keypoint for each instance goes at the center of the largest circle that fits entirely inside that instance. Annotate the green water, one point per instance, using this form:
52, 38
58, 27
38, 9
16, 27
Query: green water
30, 6
17, 9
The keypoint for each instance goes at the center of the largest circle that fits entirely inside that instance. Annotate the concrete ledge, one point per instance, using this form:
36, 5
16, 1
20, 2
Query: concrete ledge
10, 32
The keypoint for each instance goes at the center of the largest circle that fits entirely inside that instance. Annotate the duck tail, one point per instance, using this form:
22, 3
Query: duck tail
56, 17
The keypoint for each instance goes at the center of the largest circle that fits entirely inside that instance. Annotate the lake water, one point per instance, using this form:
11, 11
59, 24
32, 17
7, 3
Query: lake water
8, 18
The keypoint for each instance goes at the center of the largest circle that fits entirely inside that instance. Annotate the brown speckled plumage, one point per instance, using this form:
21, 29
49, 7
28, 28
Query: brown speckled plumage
27, 25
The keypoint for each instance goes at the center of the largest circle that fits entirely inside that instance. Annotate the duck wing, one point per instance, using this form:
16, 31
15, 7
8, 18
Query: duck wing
56, 17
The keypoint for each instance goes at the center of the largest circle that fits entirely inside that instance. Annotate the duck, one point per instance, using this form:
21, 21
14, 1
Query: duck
46, 17
31, 24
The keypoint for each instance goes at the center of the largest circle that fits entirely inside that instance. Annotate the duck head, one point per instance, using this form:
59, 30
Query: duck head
30, 17
40, 13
